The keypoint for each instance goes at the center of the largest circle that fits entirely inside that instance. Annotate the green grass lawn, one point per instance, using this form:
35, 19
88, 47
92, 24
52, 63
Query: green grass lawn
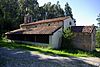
49, 51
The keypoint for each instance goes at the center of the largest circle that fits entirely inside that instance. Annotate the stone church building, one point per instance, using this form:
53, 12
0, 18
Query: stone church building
45, 32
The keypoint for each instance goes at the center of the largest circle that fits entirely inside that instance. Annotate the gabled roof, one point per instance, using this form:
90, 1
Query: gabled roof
82, 29
39, 30
46, 21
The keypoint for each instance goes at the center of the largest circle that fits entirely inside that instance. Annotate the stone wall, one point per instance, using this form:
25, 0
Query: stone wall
83, 41
93, 36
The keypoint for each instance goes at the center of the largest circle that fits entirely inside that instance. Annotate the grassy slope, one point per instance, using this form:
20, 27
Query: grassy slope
48, 51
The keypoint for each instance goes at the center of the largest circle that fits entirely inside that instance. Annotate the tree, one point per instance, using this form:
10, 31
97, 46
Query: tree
60, 11
29, 6
52, 10
8, 15
98, 38
68, 10
98, 19
41, 13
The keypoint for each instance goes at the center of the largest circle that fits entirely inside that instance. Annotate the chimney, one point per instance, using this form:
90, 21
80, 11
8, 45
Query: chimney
27, 18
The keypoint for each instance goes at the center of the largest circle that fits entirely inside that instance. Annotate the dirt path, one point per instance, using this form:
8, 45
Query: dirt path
24, 58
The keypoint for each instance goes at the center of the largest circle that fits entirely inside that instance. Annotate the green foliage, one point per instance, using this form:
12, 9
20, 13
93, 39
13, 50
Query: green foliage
98, 38
98, 19
9, 12
52, 10
67, 38
68, 10
29, 6
68, 34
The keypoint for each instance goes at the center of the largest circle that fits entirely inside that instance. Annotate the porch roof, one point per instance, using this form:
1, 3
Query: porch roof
39, 30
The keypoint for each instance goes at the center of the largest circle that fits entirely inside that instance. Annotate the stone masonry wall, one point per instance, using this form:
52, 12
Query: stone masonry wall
82, 41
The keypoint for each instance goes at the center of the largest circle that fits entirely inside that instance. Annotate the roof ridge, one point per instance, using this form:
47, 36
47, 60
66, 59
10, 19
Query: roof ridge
47, 20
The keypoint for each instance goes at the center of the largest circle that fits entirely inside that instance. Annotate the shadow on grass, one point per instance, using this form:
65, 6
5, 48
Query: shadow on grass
95, 53
47, 52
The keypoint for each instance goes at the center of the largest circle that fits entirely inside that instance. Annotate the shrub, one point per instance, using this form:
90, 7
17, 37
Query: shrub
67, 38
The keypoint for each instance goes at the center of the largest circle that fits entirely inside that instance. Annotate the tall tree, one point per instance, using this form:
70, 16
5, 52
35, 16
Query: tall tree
60, 11
98, 19
30, 6
8, 14
52, 10
68, 10
47, 8
41, 13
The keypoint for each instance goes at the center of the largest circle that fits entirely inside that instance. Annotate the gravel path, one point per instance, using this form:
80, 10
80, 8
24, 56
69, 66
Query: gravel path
24, 58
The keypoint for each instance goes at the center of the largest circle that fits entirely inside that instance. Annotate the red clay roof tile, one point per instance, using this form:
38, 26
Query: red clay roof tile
46, 21
84, 29
38, 30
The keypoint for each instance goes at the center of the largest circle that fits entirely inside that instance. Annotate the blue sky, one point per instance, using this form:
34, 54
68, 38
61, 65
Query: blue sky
84, 11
